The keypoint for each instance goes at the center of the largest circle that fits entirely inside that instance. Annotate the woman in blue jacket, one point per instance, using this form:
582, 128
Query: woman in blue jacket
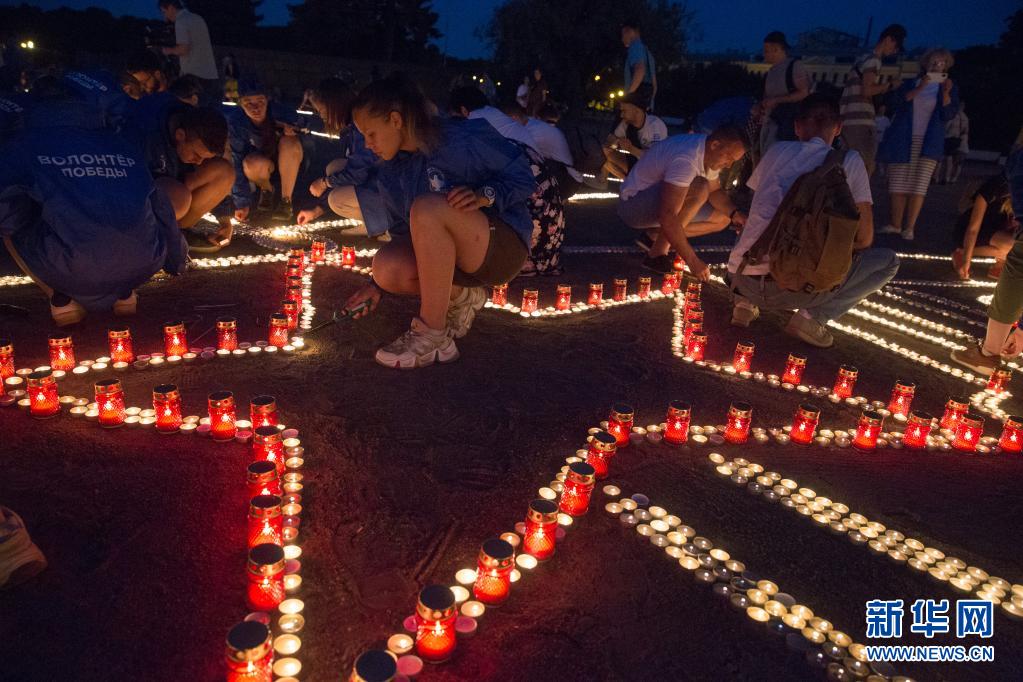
915, 142
455, 195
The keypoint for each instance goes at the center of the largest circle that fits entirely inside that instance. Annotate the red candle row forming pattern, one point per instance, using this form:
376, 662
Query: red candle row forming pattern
595, 295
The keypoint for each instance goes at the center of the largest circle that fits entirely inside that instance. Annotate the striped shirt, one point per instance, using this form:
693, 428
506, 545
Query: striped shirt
858, 108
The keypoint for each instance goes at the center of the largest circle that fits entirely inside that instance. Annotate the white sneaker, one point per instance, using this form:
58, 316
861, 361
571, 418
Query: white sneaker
20, 559
126, 306
69, 314
418, 347
463, 310
908, 235
889, 229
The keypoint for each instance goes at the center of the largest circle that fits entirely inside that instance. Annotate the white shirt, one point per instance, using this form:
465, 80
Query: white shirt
190, 29
550, 141
677, 161
781, 166
923, 107
505, 124
653, 130
522, 95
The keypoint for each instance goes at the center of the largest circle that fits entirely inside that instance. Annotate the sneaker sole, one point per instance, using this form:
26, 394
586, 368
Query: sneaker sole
979, 369
458, 332
423, 361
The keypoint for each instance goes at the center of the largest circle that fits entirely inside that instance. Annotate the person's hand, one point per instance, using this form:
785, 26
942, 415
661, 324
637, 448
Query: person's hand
739, 219
318, 187
308, 215
241, 214
627, 145
699, 269
1014, 344
963, 271
288, 129
464, 199
946, 87
223, 235
367, 294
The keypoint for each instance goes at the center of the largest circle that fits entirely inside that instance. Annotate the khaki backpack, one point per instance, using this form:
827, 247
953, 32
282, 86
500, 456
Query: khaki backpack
809, 242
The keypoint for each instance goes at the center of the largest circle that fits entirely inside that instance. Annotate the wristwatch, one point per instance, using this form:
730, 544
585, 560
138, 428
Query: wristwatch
489, 195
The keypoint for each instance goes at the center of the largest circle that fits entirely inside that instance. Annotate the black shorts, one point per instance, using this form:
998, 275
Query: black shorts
506, 254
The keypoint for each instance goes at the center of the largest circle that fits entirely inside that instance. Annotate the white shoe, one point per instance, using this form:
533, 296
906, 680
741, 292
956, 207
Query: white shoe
126, 306
908, 235
418, 347
463, 310
69, 314
20, 559
889, 229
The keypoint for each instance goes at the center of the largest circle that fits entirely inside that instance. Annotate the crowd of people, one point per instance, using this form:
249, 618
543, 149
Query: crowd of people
470, 195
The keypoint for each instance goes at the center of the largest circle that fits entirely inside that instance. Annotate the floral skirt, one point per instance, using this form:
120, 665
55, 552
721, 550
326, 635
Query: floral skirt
547, 209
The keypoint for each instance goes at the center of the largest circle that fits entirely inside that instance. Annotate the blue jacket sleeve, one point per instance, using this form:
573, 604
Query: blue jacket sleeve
238, 140
949, 112
510, 175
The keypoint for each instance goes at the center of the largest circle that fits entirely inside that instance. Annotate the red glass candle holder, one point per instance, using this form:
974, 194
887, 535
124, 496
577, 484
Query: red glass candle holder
222, 416
294, 294
167, 405
290, 310
299, 254
42, 394
1012, 435
348, 255
266, 577
499, 294
267, 446
175, 339
668, 284
278, 332
691, 301
794, 367
968, 431
694, 314
530, 300
867, 430
575, 498
695, 327
6, 362
294, 269
804, 423
435, 623
564, 297
694, 289
621, 289
902, 397
954, 409
918, 428
740, 416
602, 448
292, 282
696, 345
845, 382
262, 478
676, 424
110, 402
121, 347
493, 572
250, 654
679, 265
999, 379
643, 287
227, 333
619, 423
266, 521
263, 411
318, 251
596, 294
62, 352
743, 358
541, 534
375, 665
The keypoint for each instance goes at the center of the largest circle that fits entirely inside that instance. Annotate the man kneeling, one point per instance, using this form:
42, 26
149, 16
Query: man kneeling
817, 125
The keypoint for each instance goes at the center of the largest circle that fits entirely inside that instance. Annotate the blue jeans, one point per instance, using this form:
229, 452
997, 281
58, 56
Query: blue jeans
871, 269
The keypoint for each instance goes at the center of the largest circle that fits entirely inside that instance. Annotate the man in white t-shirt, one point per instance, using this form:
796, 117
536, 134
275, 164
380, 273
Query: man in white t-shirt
669, 185
817, 124
193, 49
636, 132
469, 102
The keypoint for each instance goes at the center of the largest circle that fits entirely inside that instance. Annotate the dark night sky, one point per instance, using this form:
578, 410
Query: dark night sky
952, 23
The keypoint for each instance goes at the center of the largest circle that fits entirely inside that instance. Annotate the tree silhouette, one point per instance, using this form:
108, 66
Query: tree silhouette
231, 22
385, 30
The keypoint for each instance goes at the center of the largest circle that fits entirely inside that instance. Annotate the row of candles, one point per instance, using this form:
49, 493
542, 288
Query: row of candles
564, 304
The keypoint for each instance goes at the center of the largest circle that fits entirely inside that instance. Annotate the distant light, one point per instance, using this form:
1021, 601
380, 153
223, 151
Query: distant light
621, 93
612, 95
597, 77
498, 83
31, 45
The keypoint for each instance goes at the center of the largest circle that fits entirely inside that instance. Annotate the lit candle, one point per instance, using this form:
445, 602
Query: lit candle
318, 251
175, 340
167, 406
692, 327
42, 394
676, 424
619, 423
435, 623
222, 416
374, 666
6, 363
999, 378
62, 352
794, 367
564, 298
541, 529
110, 402
968, 431
954, 409
266, 577
499, 294
575, 499
668, 284
298, 254
493, 572
227, 333
643, 289
845, 381
694, 314
266, 521
743, 358
530, 300
348, 255
602, 448
262, 478
294, 293
121, 347
250, 654
596, 293
1012, 435
902, 397
621, 289
696, 344
278, 334
740, 415
867, 430
917, 429
267, 446
804, 424
294, 268
263, 411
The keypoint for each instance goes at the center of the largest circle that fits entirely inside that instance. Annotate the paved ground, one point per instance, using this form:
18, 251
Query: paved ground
408, 472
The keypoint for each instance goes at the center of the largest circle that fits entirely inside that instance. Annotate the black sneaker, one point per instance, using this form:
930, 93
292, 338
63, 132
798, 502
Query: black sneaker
283, 211
266, 200
664, 265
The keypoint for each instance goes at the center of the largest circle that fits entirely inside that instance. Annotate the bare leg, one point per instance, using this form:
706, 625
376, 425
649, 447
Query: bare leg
898, 209
178, 194
616, 165
258, 169
394, 268
289, 158
997, 333
669, 237
916, 202
208, 185
717, 222
344, 202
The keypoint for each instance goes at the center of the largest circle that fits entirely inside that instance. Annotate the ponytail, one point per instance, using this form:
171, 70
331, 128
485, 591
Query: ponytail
397, 93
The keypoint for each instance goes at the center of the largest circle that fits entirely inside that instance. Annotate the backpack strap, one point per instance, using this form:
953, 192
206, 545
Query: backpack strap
790, 80
834, 159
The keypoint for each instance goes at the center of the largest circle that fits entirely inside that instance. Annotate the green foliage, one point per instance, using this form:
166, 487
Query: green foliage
384, 30
231, 22
689, 90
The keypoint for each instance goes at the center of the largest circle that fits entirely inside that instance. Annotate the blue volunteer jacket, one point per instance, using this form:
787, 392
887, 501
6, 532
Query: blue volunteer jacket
245, 138
100, 90
470, 153
148, 128
82, 210
895, 145
13, 108
360, 172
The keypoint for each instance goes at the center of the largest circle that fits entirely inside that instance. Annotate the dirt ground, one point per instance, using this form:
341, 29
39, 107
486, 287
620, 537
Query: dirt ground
408, 472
